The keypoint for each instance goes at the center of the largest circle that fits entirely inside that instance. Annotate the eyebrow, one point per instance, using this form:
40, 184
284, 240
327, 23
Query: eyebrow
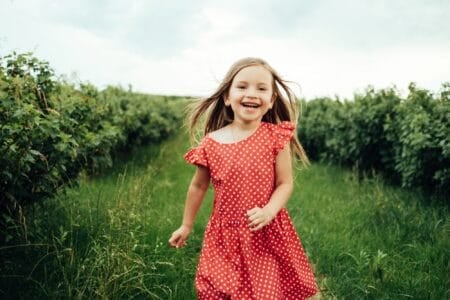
259, 83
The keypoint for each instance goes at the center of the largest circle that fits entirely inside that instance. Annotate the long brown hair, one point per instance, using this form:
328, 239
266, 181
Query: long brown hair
285, 106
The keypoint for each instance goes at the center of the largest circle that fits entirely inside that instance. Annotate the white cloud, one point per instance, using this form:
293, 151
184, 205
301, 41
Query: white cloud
328, 50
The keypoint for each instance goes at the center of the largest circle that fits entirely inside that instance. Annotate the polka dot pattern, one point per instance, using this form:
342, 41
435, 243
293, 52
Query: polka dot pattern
236, 263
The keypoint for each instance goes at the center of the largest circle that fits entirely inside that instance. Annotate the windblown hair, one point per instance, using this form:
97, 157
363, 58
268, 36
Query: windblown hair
285, 106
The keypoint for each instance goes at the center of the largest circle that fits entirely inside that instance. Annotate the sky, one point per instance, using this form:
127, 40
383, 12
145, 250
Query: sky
329, 48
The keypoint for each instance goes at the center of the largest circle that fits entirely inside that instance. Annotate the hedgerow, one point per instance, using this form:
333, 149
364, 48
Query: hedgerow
406, 139
51, 130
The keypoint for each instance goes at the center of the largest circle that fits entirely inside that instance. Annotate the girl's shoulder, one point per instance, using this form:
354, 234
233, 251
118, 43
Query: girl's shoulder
284, 126
280, 134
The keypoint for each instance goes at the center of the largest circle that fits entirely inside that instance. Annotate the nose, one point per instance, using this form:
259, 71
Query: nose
251, 93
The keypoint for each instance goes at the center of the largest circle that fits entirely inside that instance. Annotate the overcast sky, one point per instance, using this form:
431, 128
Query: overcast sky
176, 47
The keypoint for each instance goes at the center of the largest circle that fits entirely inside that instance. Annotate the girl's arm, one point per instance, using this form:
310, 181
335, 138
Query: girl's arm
260, 217
195, 194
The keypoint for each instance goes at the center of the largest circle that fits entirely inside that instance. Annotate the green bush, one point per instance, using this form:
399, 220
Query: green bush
34, 151
420, 136
407, 140
50, 129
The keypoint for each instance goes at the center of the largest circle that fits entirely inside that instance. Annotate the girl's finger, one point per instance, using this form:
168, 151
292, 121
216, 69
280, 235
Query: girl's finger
253, 220
252, 211
257, 214
259, 225
253, 217
174, 239
181, 243
257, 222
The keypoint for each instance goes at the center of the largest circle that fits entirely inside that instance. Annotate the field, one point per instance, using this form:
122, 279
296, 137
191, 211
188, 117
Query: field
108, 237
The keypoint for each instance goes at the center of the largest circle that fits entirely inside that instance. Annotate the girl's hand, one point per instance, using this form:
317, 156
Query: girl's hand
179, 236
259, 217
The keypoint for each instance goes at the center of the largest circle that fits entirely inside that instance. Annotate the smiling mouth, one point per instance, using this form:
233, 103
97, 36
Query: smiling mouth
250, 105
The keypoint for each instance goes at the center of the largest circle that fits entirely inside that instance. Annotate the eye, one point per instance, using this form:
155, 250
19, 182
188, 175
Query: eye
263, 89
241, 87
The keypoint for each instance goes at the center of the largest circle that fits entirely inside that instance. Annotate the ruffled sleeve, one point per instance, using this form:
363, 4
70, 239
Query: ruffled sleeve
282, 135
197, 156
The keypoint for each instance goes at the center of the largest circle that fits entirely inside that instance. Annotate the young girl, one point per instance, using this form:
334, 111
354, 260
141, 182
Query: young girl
251, 249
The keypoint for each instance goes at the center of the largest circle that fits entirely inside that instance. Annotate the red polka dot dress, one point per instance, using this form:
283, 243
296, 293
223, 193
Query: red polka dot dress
236, 263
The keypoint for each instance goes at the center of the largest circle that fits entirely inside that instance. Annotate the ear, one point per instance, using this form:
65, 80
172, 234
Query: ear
226, 101
272, 101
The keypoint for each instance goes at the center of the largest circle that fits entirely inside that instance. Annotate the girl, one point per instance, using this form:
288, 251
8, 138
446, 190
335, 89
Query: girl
251, 249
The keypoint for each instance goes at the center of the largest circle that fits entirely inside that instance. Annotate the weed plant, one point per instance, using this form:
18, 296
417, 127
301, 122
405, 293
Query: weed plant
108, 237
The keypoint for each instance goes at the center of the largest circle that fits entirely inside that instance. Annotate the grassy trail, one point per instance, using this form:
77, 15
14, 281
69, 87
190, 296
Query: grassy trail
108, 237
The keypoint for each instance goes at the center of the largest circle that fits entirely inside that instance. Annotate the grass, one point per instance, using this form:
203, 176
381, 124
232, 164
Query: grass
372, 241
108, 237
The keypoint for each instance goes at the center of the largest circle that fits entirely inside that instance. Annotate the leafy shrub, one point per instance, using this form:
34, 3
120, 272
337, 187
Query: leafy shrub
420, 136
408, 140
50, 130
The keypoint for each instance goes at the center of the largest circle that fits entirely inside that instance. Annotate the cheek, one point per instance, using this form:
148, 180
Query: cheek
268, 101
233, 95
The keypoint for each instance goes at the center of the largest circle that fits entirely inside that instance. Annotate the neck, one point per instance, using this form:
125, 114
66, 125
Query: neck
245, 126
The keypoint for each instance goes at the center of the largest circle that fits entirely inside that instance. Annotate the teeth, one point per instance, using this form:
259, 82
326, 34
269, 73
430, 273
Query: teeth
250, 104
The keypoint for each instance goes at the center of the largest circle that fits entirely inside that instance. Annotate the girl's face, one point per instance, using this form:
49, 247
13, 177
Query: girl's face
251, 94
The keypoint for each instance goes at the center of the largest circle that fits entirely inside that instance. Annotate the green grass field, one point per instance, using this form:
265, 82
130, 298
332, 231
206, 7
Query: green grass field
108, 237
